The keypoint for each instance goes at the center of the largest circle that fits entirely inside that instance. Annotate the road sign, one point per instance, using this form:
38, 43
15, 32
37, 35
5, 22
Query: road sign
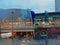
32, 14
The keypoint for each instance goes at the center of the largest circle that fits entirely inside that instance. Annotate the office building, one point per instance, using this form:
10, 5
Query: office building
57, 5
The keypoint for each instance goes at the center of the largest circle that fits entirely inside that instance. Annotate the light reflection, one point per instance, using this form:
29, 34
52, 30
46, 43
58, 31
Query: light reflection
43, 23
6, 35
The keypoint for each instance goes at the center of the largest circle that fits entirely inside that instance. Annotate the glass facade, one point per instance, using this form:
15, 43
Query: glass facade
52, 18
57, 7
16, 24
53, 24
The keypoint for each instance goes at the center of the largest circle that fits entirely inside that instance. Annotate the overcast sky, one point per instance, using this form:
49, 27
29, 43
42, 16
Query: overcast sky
36, 5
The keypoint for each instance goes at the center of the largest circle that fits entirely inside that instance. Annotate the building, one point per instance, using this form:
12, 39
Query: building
18, 16
52, 17
48, 21
16, 20
57, 6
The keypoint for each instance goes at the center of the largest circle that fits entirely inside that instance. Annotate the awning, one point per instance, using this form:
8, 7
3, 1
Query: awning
16, 30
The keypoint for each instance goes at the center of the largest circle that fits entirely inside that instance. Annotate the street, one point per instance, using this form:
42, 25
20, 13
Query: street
20, 42
28, 42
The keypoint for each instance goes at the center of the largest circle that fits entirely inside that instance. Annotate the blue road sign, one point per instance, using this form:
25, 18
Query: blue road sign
32, 14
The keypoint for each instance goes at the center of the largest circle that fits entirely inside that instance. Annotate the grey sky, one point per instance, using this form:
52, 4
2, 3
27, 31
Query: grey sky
35, 5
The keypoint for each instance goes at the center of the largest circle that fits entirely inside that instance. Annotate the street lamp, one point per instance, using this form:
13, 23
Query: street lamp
0, 28
12, 26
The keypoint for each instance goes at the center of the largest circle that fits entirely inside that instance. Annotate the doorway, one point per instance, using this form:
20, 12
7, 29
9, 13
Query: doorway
27, 35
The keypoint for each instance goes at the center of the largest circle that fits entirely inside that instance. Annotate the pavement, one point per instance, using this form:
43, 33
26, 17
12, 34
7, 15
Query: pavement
28, 42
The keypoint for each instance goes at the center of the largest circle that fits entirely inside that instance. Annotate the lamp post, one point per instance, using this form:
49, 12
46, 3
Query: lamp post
12, 27
0, 28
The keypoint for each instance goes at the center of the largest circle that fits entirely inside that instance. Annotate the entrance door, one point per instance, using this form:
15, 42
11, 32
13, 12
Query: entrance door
26, 35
